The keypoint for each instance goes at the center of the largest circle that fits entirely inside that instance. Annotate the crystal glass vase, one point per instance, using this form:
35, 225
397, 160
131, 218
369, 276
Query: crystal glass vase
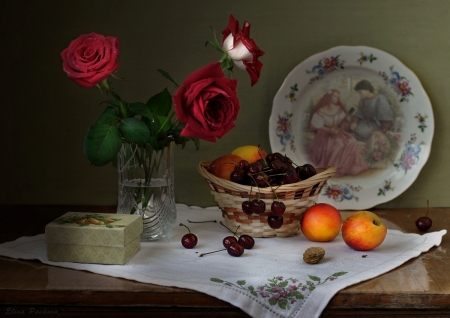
146, 188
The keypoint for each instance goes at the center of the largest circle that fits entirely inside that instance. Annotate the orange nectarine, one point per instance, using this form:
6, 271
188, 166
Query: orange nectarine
223, 166
363, 231
321, 223
250, 153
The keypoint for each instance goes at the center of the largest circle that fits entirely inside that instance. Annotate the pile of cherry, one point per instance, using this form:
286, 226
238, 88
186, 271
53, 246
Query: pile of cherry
272, 171
233, 244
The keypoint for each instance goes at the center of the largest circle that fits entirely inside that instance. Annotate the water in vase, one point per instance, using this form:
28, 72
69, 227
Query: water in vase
155, 202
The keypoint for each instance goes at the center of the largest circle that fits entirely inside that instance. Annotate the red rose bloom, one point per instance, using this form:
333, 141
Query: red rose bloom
207, 102
91, 58
242, 49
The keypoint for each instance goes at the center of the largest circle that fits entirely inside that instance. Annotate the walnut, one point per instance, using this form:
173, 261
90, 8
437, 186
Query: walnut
313, 255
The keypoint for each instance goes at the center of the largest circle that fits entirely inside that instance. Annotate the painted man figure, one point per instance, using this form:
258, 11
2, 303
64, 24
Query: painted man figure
373, 114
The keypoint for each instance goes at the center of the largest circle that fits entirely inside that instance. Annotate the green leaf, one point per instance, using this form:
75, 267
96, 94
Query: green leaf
339, 274
161, 103
216, 280
153, 124
215, 43
111, 102
283, 284
141, 109
315, 278
166, 75
196, 143
108, 116
134, 131
101, 144
297, 294
165, 122
153, 142
283, 303
273, 301
241, 282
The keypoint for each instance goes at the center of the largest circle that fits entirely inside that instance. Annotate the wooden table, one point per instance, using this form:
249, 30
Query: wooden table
419, 288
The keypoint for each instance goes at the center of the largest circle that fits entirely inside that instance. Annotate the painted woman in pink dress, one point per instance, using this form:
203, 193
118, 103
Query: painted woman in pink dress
332, 145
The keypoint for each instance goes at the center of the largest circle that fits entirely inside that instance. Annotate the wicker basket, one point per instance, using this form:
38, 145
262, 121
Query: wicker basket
296, 196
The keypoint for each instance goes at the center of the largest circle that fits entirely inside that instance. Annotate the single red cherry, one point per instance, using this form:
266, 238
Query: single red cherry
258, 206
238, 175
188, 240
291, 176
227, 241
243, 164
424, 222
247, 207
235, 249
246, 241
277, 208
275, 221
306, 171
254, 167
278, 166
261, 179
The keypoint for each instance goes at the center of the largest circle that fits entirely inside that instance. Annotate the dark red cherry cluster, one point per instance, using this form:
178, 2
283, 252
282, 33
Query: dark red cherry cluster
274, 170
234, 245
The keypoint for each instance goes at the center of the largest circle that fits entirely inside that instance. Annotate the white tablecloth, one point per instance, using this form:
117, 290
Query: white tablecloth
270, 280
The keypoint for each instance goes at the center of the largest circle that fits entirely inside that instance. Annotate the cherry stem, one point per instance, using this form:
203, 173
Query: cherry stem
259, 190
210, 221
259, 153
203, 254
181, 224
428, 207
229, 228
276, 196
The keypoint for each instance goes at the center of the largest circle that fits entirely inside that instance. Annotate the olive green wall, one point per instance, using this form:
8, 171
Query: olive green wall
44, 115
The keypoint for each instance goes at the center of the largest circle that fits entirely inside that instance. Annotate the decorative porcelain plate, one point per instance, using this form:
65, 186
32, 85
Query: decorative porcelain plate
364, 112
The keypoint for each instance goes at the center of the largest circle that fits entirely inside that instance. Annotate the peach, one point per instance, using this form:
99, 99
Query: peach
250, 153
223, 166
363, 231
321, 223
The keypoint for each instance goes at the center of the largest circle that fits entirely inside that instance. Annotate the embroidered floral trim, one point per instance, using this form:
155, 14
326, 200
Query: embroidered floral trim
279, 291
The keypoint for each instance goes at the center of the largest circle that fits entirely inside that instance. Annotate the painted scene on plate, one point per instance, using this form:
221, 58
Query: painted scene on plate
353, 122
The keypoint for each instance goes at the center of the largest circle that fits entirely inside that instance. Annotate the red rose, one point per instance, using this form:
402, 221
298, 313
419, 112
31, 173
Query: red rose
91, 58
207, 102
242, 49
